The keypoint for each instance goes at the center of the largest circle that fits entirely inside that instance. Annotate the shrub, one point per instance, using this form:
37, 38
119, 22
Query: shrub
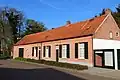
53, 63
21, 59
3, 56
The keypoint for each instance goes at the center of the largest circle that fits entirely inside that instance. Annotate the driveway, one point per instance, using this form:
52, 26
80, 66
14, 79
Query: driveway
13, 70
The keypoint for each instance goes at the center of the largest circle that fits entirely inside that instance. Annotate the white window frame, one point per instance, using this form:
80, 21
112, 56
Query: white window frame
81, 50
111, 34
108, 58
34, 52
47, 51
64, 51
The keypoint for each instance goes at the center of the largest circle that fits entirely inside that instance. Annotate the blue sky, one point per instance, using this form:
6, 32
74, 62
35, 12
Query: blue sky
55, 13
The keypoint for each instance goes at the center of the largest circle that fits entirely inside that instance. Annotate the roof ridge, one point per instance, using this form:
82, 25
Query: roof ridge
65, 25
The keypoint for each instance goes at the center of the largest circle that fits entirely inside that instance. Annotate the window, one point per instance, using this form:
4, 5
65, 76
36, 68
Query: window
47, 51
60, 51
81, 50
35, 51
111, 35
65, 51
117, 34
108, 58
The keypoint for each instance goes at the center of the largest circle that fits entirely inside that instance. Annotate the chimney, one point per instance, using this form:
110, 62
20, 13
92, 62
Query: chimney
53, 28
68, 22
107, 11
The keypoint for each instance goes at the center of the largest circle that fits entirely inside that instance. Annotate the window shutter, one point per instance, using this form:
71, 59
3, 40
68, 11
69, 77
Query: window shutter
32, 51
36, 51
60, 51
43, 51
76, 50
68, 51
49, 51
86, 50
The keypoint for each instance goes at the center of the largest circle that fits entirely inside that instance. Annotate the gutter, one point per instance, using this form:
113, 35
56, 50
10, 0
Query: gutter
54, 40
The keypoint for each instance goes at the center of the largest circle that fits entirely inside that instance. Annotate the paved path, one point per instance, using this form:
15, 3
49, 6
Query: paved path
13, 70
104, 72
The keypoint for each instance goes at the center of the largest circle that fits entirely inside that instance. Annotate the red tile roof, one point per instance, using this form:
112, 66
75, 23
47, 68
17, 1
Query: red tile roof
78, 29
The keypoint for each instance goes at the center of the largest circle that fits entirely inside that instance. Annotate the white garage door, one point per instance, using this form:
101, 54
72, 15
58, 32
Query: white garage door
108, 58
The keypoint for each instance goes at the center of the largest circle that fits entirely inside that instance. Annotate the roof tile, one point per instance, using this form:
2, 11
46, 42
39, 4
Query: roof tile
68, 31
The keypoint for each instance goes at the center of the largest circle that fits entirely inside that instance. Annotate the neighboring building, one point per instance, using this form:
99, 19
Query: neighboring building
94, 42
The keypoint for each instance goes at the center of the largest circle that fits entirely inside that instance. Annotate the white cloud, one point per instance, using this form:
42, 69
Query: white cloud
50, 5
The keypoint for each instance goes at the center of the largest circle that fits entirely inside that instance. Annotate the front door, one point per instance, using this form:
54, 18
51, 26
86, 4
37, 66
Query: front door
21, 52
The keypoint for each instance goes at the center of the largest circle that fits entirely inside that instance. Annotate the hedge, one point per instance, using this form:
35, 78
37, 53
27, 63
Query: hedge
2, 56
53, 63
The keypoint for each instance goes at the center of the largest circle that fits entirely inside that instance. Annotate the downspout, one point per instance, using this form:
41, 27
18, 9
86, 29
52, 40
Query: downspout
40, 55
93, 58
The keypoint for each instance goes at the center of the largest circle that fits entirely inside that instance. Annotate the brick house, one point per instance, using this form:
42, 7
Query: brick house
93, 42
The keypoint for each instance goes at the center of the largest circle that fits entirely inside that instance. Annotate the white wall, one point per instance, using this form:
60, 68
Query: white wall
107, 44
